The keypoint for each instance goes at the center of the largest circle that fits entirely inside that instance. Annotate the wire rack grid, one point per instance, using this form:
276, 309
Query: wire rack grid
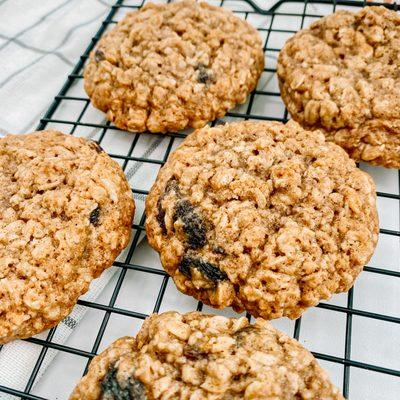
355, 336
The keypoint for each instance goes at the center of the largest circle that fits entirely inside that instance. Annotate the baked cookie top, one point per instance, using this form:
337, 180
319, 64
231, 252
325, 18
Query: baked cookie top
197, 356
341, 75
66, 212
167, 67
262, 216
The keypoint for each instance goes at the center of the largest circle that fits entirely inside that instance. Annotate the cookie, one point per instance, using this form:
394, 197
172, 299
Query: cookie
167, 67
262, 216
197, 356
341, 75
66, 212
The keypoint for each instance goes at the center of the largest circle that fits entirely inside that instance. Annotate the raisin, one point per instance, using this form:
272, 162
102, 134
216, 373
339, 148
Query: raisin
136, 389
192, 353
99, 55
97, 147
172, 185
95, 217
211, 271
219, 250
207, 269
203, 76
161, 217
185, 267
110, 386
193, 224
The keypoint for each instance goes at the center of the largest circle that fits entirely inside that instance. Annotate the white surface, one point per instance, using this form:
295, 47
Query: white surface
322, 330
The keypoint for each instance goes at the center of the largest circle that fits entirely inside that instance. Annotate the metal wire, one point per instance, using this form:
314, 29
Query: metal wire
127, 265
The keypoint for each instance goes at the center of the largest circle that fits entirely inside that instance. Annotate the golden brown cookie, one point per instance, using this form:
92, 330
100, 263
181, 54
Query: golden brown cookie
66, 212
262, 216
196, 356
341, 75
172, 66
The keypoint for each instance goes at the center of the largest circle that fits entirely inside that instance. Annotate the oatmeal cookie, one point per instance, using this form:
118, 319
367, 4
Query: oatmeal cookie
66, 212
262, 216
172, 66
196, 356
341, 75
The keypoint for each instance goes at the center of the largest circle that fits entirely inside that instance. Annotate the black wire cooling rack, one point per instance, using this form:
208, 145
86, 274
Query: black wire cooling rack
275, 26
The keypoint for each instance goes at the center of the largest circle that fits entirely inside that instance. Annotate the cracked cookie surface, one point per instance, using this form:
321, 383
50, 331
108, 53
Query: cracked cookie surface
196, 356
172, 66
341, 75
66, 212
279, 219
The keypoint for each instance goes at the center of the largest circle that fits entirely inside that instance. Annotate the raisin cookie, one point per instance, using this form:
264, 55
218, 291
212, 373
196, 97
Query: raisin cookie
341, 75
66, 212
196, 356
262, 216
172, 66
